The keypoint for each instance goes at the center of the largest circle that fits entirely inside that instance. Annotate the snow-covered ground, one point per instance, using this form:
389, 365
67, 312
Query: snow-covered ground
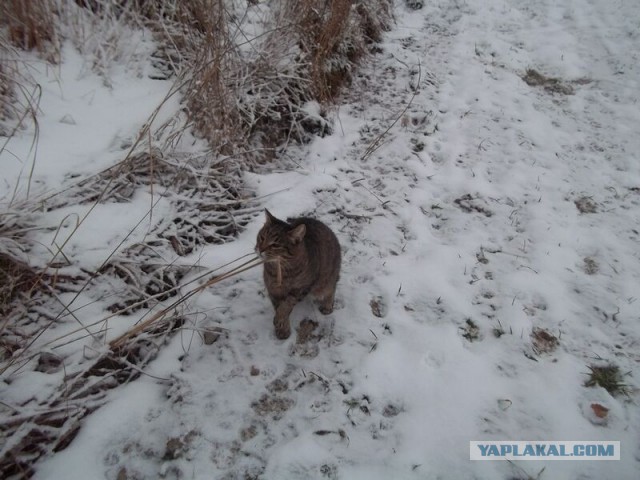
473, 209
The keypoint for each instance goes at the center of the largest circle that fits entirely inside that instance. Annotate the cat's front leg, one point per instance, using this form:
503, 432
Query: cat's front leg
281, 319
325, 297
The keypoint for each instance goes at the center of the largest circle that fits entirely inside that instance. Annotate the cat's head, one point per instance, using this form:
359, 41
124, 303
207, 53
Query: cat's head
279, 240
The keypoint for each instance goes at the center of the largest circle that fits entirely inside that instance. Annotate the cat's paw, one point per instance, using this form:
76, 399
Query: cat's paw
283, 333
325, 310
282, 328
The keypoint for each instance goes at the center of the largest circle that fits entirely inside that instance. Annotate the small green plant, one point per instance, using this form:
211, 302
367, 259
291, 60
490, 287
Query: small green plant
607, 377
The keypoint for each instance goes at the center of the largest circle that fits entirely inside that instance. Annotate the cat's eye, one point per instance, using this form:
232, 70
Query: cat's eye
264, 243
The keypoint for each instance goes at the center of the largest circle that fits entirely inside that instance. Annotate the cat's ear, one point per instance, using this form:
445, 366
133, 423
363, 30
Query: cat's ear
297, 234
269, 218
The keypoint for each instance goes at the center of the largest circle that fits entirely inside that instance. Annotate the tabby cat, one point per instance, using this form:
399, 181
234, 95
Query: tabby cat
302, 256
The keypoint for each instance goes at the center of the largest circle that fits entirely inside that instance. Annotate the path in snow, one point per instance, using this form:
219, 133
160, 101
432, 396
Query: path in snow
470, 219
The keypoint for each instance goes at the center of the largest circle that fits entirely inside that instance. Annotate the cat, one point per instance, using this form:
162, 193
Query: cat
302, 256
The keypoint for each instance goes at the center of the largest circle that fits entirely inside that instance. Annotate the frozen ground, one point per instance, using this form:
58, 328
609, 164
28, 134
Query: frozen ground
491, 254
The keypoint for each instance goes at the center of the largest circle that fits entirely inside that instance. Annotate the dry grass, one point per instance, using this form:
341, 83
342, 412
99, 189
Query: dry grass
50, 424
244, 90
27, 290
248, 91
211, 98
322, 33
247, 94
211, 205
19, 95
31, 25
335, 37
7, 90
18, 279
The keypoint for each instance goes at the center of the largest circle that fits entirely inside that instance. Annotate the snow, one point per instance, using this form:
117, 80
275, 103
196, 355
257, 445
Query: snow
467, 211
84, 124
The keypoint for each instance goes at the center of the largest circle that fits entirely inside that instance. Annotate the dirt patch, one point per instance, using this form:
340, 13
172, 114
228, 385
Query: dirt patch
306, 330
272, 405
470, 330
248, 433
415, 4
278, 385
16, 277
176, 447
468, 204
329, 471
542, 341
533, 78
378, 307
212, 335
307, 338
48, 363
391, 411
586, 205
590, 266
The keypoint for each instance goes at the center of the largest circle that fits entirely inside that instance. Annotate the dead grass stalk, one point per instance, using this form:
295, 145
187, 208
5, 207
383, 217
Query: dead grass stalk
142, 326
31, 25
